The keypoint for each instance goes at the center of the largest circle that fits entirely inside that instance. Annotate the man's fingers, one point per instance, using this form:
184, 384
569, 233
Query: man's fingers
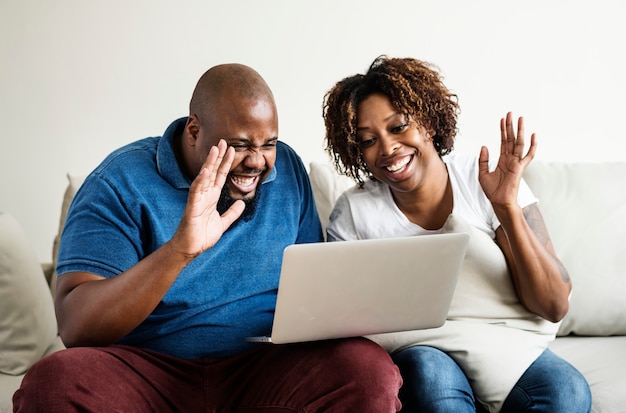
210, 164
232, 213
223, 169
218, 163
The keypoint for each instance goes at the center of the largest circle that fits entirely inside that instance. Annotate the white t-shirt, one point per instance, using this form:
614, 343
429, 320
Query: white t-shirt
372, 213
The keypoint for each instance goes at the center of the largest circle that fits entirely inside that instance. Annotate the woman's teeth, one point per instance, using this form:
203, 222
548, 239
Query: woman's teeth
396, 166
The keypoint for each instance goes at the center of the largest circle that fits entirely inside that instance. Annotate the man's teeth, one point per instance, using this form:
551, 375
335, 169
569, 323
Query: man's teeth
396, 166
243, 180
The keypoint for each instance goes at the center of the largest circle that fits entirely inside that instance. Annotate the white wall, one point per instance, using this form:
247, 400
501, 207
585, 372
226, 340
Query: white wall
79, 78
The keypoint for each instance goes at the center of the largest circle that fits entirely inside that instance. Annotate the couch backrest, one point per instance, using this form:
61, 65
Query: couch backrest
584, 207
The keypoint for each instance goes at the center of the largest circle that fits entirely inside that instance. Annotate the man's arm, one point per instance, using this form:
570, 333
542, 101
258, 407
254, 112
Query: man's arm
92, 310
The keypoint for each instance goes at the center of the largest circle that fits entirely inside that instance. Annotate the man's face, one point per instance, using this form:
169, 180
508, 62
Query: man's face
251, 128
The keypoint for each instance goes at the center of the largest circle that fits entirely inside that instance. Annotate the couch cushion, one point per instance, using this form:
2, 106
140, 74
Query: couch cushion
584, 207
27, 321
327, 185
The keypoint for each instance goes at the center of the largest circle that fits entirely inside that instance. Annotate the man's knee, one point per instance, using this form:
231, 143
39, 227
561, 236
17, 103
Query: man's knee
367, 371
68, 379
43, 385
362, 357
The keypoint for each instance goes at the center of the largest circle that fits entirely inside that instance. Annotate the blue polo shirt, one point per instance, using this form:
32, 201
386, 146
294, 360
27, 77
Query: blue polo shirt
131, 204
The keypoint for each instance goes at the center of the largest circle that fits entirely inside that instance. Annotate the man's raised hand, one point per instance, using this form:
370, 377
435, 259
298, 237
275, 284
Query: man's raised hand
202, 225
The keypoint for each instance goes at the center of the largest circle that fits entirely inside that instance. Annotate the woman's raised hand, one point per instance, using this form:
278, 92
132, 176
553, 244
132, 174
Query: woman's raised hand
501, 185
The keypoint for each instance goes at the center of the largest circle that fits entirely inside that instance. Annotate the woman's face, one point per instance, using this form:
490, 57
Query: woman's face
395, 149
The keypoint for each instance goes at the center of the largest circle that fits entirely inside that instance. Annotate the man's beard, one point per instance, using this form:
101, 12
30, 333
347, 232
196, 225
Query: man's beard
226, 200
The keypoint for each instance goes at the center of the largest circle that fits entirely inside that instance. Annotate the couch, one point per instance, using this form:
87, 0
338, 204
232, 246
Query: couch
584, 209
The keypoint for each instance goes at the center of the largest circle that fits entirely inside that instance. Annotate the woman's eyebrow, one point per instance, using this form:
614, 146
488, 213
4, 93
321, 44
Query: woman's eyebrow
384, 120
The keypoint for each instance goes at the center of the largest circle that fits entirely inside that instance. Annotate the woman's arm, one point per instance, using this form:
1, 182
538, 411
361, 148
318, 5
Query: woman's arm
541, 280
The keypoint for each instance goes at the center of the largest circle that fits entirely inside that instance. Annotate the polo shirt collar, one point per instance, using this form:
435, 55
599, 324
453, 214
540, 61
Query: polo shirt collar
167, 165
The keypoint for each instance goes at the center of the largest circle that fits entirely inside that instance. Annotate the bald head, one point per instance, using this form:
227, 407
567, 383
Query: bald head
232, 102
227, 81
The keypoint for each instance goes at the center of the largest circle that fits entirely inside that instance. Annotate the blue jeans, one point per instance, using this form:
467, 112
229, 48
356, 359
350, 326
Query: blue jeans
433, 382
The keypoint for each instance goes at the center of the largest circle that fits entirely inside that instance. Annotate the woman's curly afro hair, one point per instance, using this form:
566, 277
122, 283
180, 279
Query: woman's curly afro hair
414, 87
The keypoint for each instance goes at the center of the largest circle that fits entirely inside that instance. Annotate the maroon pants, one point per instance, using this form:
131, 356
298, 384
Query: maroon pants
352, 375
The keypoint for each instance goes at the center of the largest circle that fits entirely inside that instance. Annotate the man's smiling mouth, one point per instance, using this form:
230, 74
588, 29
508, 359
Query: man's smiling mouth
244, 180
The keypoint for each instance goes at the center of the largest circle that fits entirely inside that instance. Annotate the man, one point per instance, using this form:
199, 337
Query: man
170, 257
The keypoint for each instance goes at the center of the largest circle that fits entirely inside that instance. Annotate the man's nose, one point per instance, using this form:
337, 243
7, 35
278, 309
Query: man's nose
254, 159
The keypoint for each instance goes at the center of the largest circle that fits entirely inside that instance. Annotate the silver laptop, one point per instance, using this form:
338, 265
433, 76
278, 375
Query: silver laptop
356, 288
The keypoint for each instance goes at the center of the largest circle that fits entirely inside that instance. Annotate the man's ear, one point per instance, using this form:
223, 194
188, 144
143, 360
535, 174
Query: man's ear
192, 128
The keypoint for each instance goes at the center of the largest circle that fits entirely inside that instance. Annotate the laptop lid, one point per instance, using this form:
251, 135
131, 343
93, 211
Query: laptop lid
353, 288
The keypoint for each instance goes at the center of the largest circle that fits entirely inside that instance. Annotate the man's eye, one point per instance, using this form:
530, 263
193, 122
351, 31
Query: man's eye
240, 148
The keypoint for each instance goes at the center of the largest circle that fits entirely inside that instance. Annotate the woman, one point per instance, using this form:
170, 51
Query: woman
392, 130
